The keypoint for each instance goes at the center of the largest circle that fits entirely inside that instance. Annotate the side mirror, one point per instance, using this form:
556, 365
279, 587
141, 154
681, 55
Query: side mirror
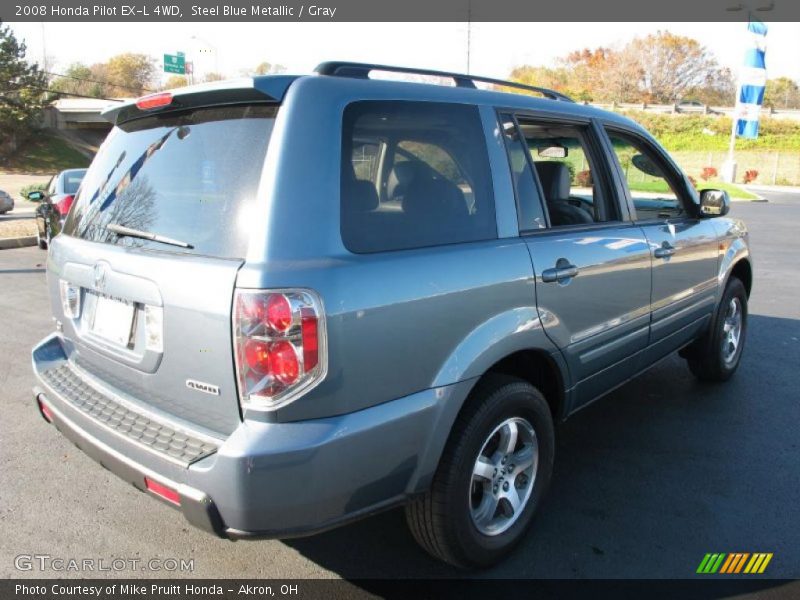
714, 203
646, 166
36, 196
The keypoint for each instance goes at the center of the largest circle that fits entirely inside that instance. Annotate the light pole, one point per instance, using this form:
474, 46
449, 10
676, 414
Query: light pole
469, 34
213, 48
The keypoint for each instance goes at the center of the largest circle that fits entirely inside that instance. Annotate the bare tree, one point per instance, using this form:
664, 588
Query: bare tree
669, 66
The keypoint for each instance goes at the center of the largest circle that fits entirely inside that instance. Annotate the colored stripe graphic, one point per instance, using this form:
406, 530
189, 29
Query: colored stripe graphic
758, 563
734, 562
711, 563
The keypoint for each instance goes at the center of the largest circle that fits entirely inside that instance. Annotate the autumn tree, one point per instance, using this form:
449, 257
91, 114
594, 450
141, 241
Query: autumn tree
587, 72
658, 68
123, 76
267, 68
176, 81
129, 74
22, 91
79, 79
551, 78
782, 92
670, 66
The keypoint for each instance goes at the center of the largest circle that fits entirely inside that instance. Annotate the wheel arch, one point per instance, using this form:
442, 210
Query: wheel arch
540, 365
743, 271
736, 262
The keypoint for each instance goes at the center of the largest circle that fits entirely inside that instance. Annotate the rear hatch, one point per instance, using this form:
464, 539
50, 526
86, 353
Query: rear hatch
151, 318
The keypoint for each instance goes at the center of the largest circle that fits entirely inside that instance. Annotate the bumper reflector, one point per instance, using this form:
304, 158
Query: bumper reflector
162, 491
48, 416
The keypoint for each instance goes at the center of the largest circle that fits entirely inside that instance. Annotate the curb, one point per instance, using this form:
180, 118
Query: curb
18, 242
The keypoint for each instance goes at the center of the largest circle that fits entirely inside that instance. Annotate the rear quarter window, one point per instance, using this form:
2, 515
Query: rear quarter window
414, 174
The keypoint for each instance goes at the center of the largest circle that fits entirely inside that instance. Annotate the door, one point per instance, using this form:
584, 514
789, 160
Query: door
684, 246
592, 264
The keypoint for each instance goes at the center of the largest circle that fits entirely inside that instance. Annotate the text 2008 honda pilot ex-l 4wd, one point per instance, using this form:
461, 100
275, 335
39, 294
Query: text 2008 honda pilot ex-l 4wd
372, 293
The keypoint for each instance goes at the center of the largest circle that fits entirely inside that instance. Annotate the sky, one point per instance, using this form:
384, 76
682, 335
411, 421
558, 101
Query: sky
496, 48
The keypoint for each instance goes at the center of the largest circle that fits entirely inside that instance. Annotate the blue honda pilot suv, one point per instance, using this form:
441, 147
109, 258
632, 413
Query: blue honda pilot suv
285, 303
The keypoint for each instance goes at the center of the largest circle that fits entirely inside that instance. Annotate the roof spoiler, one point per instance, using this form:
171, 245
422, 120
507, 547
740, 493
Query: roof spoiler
270, 88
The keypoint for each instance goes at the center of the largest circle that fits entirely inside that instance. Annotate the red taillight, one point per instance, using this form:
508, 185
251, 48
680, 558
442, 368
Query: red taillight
283, 362
279, 313
154, 101
256, 353
162, 491
310, 335
64, 205
280, 345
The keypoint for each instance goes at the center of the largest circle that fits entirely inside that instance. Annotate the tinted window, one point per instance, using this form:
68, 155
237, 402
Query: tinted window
189, 176
653, 195
529, 208
566, 171
430, 184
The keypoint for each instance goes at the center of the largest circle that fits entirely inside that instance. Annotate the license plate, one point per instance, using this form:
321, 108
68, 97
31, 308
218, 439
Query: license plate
113, 320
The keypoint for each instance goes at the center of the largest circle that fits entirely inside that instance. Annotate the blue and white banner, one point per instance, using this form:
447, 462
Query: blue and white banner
752, 81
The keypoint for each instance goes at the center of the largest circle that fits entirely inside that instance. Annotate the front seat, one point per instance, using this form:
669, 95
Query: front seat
555, 179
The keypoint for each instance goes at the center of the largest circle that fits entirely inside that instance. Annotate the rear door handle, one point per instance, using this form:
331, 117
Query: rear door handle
665, 251
559, 273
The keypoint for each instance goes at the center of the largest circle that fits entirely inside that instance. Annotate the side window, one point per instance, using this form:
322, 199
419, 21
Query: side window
653, 195
564, 165
433, 185
51, 186
529, 209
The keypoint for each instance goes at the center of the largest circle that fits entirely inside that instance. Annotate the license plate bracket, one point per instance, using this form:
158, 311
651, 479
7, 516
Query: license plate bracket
113, 320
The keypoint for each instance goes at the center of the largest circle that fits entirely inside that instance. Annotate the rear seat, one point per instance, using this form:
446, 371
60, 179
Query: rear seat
429, 207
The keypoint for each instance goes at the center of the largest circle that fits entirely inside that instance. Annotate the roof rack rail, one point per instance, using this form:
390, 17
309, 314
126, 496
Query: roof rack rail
362, 70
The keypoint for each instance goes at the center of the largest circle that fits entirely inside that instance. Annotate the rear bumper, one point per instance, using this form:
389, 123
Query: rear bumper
195, 505
278, 479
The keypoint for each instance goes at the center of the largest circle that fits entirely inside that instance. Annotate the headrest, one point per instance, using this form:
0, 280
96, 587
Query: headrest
407, 170
434, 199
555, 180
360, 196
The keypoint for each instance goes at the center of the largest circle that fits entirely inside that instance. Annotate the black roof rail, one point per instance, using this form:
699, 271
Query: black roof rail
362, 70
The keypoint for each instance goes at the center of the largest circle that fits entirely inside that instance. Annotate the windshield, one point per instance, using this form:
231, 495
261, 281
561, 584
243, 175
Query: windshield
188, 176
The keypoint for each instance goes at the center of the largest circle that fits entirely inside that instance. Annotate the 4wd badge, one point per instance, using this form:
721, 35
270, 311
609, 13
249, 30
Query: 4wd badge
202, 387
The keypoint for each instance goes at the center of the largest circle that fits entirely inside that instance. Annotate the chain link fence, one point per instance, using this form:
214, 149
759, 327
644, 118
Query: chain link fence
774, 167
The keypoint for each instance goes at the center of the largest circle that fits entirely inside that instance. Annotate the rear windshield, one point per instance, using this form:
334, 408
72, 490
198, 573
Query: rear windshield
189, 176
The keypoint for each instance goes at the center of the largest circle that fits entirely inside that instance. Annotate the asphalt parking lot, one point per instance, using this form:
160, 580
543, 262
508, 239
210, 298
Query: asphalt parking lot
647, 481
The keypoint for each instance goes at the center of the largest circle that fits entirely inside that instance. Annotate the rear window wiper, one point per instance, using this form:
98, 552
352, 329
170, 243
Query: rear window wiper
146, 235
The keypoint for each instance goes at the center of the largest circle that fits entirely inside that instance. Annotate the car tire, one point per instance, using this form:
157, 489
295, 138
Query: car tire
716, 356
454, 520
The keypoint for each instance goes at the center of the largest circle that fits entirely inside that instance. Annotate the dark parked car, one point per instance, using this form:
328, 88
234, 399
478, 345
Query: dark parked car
55, 204
6, 202
290, 302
